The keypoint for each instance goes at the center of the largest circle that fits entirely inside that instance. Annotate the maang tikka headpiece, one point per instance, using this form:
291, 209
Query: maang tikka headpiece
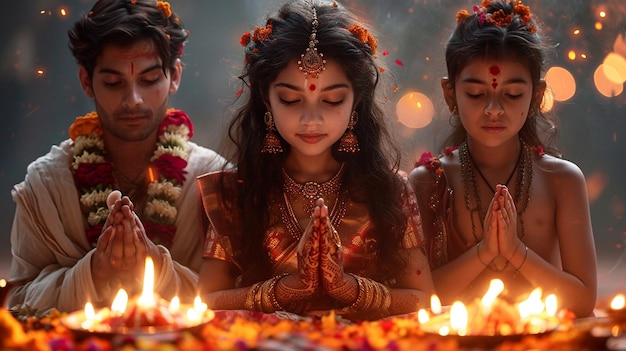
312, 62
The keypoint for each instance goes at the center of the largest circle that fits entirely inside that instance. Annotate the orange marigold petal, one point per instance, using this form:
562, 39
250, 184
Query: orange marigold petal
461, 15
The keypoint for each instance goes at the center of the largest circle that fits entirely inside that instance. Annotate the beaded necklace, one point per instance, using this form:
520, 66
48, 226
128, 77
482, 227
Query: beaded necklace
312, 190
522, 193
315, 191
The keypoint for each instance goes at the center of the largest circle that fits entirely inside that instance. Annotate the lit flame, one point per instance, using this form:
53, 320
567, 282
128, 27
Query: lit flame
147, 298
435, 304
496, 286
458, 317
532, 305
174, 304
618, 302
119, 303
551, 305
422, 316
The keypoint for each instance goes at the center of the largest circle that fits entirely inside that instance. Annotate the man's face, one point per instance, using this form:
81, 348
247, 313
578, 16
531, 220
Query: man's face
130, 90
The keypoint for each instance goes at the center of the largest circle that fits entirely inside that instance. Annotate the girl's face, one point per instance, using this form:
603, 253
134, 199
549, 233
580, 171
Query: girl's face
311, 114
493, 98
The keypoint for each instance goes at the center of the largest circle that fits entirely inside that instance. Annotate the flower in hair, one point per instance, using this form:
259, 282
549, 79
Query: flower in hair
499, 17
245, 39
262, 34
461, 16
165, 7
364, 36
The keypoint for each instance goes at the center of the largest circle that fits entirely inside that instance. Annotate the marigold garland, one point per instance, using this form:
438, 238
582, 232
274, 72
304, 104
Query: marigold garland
94, 174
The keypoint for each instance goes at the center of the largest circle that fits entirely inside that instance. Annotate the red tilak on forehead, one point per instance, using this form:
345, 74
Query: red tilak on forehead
132, 68
494, 70
312, 87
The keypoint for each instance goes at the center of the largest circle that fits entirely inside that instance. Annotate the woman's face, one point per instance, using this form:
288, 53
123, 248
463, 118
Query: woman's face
311, 114
493, 98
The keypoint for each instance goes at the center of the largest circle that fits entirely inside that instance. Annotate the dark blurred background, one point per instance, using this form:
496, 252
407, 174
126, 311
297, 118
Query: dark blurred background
39, 86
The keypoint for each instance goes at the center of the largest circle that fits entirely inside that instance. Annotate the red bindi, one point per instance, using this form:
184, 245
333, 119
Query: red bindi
494, 70
312, 87
418, 272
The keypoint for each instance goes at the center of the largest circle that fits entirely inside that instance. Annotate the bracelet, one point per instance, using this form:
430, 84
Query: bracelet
515, 251
478, 254
360, 297
250, 297
523, 261
272, 292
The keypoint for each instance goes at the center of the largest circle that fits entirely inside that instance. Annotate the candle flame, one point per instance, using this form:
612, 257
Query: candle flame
119, 303
199, 306
532, 305
90, 313
175, 304
147, 298
551, 305
458, 317
435, 304
422, 316
618, 302
496, 286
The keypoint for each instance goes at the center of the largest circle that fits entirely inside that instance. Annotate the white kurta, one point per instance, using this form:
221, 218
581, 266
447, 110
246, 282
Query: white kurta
50, 249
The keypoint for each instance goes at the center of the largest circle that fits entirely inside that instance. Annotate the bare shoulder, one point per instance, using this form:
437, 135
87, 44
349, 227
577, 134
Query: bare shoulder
559, 170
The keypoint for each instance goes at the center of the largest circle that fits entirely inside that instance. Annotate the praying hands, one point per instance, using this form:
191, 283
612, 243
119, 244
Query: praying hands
500, 244
320, 266
122, 247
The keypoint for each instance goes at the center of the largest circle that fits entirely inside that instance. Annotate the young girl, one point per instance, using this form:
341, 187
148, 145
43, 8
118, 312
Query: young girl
315, 217
499, 203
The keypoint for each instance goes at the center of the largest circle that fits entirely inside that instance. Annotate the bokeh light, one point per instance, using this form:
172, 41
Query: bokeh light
561, 82
617, 63
415, 110
605, 85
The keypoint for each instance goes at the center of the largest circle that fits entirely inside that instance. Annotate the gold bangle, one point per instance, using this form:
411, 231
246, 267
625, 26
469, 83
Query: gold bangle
272, 292
523, 260
478, 254
358, 303
250, 297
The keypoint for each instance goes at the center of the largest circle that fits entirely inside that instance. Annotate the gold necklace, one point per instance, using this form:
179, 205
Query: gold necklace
288, 217
522, 193
312, 191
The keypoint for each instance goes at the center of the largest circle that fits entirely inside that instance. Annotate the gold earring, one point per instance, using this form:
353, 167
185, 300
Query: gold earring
271, 144
349, 142
455, 111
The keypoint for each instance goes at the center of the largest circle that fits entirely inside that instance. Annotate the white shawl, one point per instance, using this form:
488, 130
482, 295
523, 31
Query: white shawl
50, 249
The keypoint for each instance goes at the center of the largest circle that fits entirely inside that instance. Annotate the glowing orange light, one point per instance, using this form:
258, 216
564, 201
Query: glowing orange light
618, 63
561, 83
150, 174
604, 84
415, 110
63, 12
571, 55
576, 31
602, 14
598, 26
584, 56
40, 72
618, 302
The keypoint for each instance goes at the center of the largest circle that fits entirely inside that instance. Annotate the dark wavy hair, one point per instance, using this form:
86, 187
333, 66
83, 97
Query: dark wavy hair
123, 22
370, 173
520, 40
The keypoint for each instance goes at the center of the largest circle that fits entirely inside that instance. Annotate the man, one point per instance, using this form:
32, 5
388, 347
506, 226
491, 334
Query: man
75, 238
